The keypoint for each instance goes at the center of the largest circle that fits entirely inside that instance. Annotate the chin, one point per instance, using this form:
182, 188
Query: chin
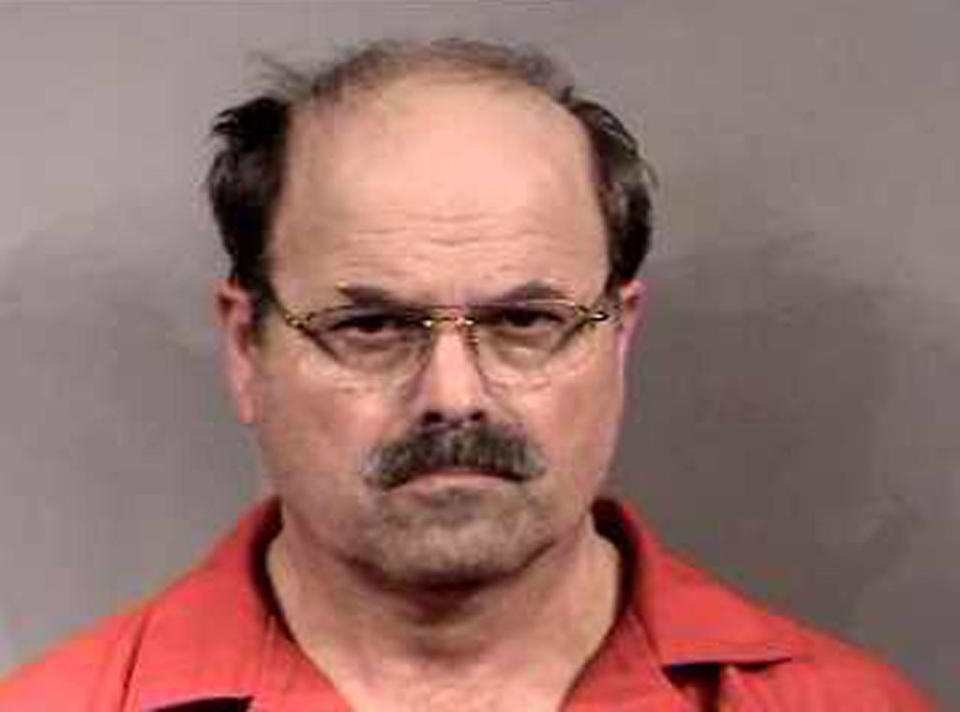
454, 540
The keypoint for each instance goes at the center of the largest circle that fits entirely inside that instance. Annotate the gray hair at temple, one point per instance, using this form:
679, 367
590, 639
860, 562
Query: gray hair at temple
245, 179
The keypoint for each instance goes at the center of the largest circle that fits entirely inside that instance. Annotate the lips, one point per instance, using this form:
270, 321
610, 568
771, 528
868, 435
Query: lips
458, 473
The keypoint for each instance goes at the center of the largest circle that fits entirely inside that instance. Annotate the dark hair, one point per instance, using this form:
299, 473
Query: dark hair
246, 176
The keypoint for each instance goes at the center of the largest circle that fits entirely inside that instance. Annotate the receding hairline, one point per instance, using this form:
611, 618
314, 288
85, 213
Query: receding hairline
320, 132
375, 66
350, 85
418, 86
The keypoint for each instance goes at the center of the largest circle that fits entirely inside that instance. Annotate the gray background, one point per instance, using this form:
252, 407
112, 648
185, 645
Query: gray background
795, 401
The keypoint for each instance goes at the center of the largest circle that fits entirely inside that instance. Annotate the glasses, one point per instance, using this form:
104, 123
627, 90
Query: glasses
517, 343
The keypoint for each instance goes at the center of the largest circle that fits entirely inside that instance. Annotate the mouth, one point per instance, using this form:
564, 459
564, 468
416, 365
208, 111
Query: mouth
462, 475
461, 472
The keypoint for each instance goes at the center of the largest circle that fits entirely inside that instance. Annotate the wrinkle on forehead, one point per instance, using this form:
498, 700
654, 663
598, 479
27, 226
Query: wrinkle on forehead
424, 265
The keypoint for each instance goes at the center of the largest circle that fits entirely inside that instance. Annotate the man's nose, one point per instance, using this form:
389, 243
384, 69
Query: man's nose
450, 388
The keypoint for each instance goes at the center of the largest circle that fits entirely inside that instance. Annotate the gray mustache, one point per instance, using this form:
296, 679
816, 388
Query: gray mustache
484, 447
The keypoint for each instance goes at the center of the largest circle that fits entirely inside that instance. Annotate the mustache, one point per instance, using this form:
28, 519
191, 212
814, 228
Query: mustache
485, 447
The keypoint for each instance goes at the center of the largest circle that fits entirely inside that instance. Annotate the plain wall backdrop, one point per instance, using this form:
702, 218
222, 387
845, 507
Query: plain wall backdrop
794, 410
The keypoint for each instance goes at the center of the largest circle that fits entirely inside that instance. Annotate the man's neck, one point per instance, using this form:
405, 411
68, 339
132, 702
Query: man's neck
519, 643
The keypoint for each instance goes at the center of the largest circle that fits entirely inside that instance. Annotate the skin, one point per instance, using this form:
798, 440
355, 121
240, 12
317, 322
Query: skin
433, 595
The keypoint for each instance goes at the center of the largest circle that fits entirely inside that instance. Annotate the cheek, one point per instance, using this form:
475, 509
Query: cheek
578, 423
312, 431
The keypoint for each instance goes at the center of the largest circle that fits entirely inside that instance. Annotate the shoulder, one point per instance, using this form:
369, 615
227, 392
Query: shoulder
805, 668
88, 670
104, 667
831, 673
202, 630
765, 660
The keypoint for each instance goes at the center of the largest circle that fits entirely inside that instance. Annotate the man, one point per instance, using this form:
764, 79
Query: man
434, 251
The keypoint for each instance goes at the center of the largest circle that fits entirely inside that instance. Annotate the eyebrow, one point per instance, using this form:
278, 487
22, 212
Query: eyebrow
534, 289
369, 295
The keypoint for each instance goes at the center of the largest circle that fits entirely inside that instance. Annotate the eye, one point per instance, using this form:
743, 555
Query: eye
368, 339
372, 323
527, 326
525, 317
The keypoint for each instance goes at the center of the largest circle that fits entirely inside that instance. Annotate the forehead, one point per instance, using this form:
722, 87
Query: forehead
448, 188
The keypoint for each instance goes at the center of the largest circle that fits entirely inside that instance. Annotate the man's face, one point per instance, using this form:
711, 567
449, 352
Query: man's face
431, 193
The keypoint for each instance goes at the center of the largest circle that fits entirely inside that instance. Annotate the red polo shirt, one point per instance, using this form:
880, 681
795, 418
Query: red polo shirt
214, 642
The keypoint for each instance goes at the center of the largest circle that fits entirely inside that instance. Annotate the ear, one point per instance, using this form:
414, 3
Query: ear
632, 309
241, 348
